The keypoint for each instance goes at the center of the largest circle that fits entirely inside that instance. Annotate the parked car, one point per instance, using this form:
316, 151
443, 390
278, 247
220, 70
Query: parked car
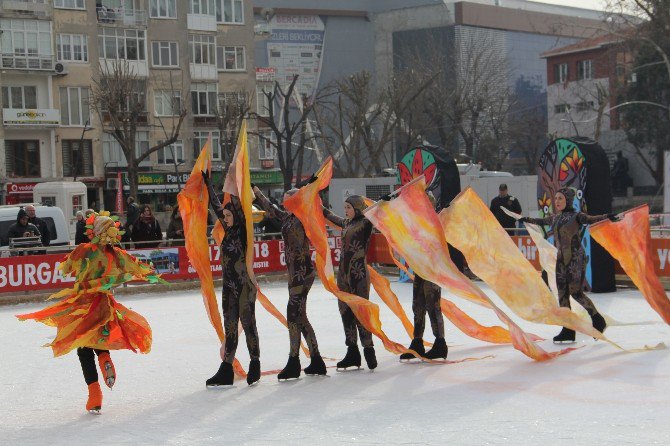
58, 226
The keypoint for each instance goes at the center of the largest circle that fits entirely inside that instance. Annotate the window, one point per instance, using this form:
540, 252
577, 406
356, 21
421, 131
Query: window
584, 70
163, 9
167, 102
203, 99
262, 101
135, 101
164, 54
202, 49
199, 140
26, 44
115, 43
69, 4
167, 155
205, 7
560, 72
585, 105
77, 157
266, 146
22, 158
74, 106
229, 11
561, 108
111, 149
72, 47
230, 58
19, 97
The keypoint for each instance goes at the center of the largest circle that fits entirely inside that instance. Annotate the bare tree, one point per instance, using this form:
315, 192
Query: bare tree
361, 121
119, 99
232, 108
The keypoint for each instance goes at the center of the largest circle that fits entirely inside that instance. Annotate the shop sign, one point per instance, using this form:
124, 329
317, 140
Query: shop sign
40, 116
267, 177
20, 188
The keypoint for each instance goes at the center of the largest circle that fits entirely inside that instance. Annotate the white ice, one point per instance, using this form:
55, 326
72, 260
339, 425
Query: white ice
595, 395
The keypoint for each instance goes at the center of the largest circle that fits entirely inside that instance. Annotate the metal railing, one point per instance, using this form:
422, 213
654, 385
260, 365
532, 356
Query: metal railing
126, 17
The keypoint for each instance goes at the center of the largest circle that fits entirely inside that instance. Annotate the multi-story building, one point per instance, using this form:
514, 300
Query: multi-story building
585, 81
195, 55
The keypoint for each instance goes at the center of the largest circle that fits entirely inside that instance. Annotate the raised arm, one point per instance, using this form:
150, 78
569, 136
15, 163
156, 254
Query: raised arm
339, 221
213, 198
272, 210
586, 219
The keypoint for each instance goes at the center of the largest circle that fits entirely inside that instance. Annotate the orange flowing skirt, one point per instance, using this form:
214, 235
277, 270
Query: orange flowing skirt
95, 320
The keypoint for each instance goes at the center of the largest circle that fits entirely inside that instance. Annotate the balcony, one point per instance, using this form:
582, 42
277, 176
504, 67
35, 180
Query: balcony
14, 61
201, 22
38, 117
122, 17
139, 68
201, 72
35, 8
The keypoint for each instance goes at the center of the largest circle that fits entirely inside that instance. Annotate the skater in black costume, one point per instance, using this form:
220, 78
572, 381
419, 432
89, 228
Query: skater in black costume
570, 262
426, 299
301, 277
239, 292
352, 277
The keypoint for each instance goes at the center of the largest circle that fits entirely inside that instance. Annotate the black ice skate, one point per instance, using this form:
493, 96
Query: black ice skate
316, 367
351, 359
417, 346
224, 377
292, 369
254, 374
599, 322
439, 350
565, 336
370, 357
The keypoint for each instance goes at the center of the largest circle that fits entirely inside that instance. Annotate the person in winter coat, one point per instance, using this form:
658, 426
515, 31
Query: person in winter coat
505, 200
147, 229
133, 213
301, 277
565, 224
80, 231
45, 236
22, 228
239, 292
175, 230
352, 277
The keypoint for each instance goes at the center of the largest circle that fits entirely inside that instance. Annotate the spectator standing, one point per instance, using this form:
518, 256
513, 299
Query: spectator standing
175, 230
80, 231
40, 224
147, 229
504, 200
133, 213
22, 228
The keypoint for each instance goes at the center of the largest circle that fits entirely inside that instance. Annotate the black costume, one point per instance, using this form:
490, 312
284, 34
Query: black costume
300, 279
352, 277
510, 203
43, 228
239, 292
570, 261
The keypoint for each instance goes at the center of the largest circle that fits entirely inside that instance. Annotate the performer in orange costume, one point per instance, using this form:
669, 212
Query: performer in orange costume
88, 318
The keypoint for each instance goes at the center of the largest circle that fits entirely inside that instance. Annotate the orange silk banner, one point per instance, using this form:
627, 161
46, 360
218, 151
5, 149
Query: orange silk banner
306, 205
413, 229
383, 288
629, 242
238, 183
491, 254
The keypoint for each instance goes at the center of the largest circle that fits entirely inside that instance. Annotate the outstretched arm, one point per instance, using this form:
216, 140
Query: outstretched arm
339, 221
544, 221
586, 219
272, 210
213, 198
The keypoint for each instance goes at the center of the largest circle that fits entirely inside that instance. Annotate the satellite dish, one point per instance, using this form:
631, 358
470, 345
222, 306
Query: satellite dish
267, 13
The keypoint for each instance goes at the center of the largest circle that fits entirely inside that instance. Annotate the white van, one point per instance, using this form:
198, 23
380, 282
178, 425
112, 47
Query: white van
69, 196
52, 216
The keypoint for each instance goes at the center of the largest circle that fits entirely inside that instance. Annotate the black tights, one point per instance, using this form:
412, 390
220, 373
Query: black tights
87, 360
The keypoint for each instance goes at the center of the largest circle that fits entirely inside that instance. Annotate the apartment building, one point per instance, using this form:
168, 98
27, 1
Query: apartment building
195, 54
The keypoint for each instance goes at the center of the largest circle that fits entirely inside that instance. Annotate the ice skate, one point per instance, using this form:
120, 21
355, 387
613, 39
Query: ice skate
370, 357
254, 374
107, 369
439, 350
565, 336
292, 369
223, 377
94, 403
351, 359
599, 322
417, 346
316, 367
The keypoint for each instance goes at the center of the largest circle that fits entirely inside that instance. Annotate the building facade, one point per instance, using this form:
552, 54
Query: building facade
584, 83
196, 55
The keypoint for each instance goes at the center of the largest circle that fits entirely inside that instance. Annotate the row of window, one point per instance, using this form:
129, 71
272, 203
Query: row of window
584, 71
75, 110
580, 107
225, 11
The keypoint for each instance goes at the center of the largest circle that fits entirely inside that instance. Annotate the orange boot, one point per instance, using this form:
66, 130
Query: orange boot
107, 369
94, 403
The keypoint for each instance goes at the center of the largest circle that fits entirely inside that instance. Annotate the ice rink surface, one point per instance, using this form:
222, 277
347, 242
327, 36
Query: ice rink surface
593, 396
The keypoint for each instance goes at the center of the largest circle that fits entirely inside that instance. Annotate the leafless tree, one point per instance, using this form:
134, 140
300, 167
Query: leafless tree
361, 121
233, 107
119, 99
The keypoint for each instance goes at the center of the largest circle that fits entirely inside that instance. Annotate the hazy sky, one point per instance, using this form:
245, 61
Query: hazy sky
592, 4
